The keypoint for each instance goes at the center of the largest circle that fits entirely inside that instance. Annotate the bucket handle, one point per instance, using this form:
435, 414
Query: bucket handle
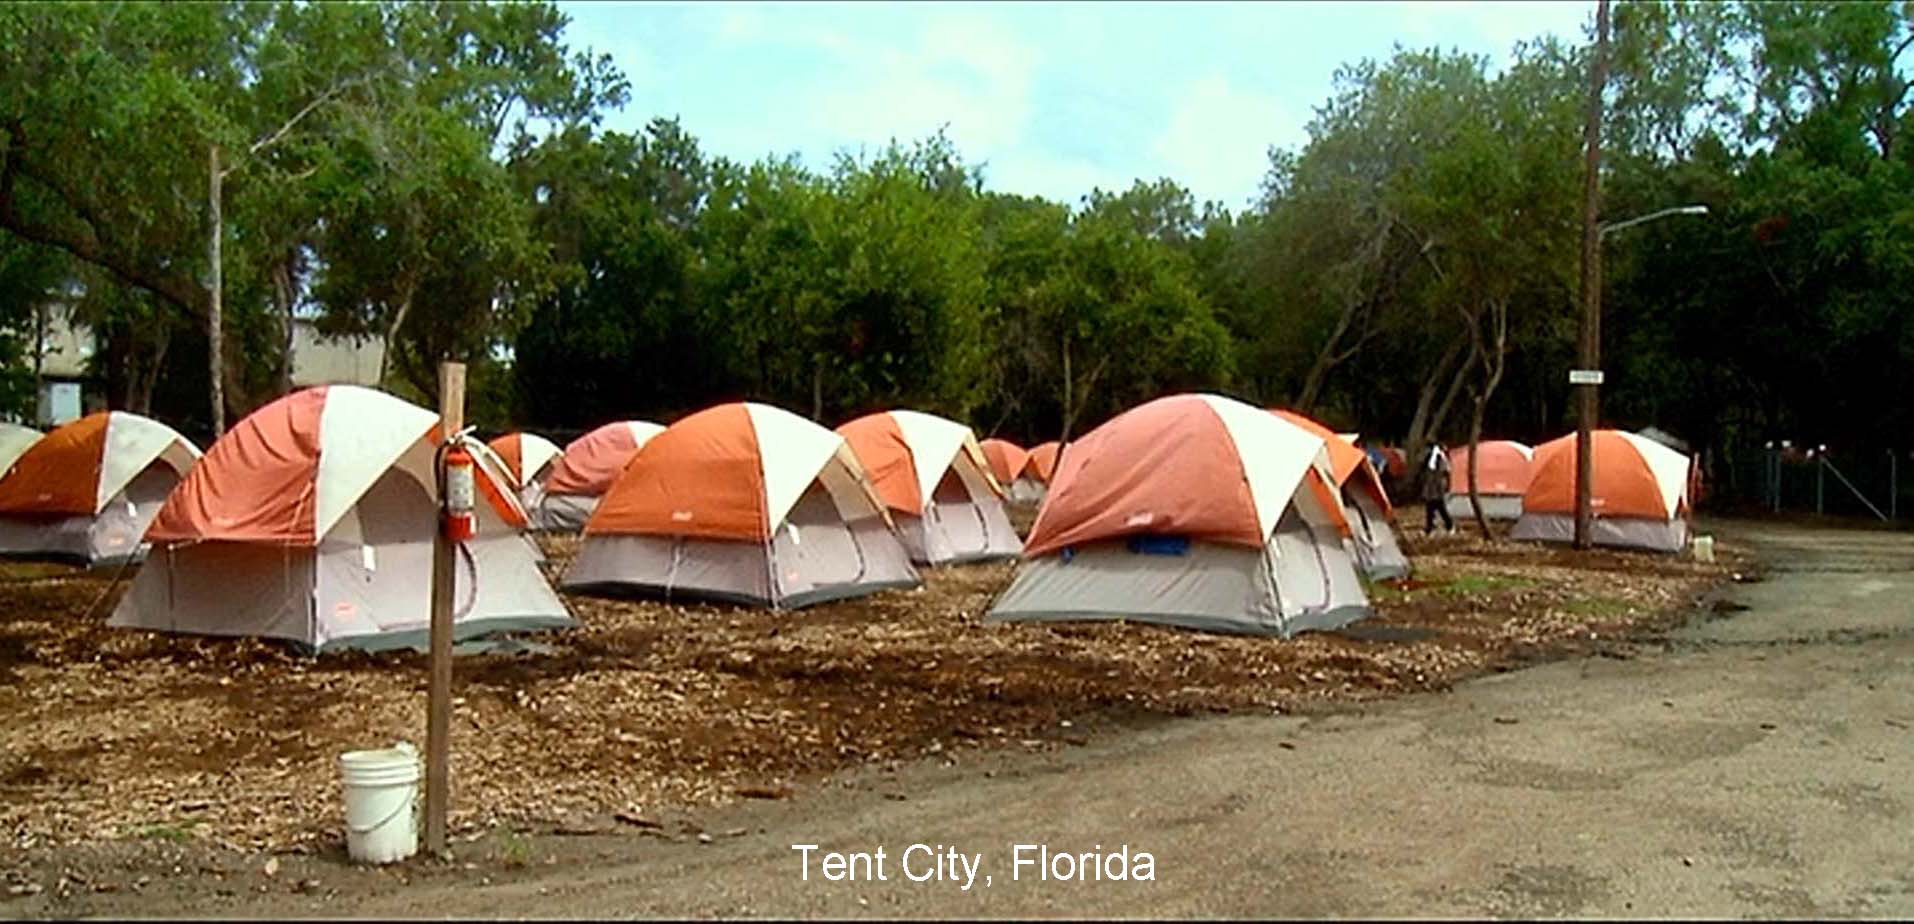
407, 805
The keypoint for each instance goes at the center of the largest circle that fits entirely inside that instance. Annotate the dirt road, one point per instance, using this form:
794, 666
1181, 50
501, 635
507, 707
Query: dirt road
1755, 764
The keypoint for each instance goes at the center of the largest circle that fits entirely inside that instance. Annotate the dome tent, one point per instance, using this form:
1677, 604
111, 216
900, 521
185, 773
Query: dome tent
1033, 483
934, 478
1500, 478
586, 470
1010, 465
1192, 510
1638, 498
14, 441
1370, 533
1043, 460
86, 491
747, 503
312, 520
529, 460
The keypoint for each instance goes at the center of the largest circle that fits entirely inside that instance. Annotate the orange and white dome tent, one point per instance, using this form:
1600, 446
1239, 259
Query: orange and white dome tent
586, 470
87, 490
1043, 460
312, 520
529, 460
1010, 465
1501, 477
14, 441
1637, 499
939, 487
748, 503
1367, 503
1034, 481
1193, 510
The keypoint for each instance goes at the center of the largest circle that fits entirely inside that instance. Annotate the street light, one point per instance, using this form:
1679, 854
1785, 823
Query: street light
1589, 376
1614, 226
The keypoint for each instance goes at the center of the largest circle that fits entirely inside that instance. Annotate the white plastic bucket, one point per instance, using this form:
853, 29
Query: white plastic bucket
382, 796
1705, 548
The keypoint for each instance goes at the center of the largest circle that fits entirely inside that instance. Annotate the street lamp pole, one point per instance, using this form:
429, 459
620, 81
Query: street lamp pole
1587, 385
1608, 229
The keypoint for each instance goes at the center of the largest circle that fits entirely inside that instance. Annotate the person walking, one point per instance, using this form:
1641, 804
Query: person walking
1435, 491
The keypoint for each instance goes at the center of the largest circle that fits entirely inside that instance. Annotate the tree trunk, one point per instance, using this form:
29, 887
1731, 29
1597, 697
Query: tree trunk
817, 390
1327, 359
1491, 358
215, 334
1425, 400
1441, 415
130, 381
391, 344
283, 294
1475, 464
1068, 407
143, 402
1432, 427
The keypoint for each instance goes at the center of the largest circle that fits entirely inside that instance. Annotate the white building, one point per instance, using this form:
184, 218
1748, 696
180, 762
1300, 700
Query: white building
65, 347
60, 363
318, 360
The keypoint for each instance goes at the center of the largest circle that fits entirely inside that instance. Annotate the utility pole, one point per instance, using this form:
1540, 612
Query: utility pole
1588, 407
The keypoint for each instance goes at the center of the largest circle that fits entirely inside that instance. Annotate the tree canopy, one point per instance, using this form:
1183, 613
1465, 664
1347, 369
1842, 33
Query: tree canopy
438, 175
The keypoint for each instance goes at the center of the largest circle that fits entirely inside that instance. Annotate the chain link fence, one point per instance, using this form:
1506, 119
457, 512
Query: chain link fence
1784, 477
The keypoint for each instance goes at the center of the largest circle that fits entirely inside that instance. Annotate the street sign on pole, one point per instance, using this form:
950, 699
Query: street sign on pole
1585, 376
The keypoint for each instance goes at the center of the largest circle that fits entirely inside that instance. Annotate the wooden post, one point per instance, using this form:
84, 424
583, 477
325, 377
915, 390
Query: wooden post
438, 774
1820, 482
1587, 406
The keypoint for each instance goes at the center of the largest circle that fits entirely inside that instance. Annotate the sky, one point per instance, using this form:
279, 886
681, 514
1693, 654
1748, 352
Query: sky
1051, 99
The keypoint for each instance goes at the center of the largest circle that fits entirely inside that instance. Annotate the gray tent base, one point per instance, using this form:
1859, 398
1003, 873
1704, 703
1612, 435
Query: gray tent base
464, 634
1317, 620
1494, 506
562, 513
1613, 532
815, 556
1302, 581
982, 558
626, 590
464, 631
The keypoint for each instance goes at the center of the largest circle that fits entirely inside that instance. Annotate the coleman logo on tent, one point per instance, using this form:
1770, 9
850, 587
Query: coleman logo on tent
1140, 519
680, 516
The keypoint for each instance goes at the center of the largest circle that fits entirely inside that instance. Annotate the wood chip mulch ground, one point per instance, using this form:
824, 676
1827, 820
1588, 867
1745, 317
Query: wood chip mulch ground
115, 734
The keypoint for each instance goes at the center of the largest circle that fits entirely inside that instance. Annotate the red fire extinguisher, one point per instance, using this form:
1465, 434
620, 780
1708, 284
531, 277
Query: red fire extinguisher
461, 524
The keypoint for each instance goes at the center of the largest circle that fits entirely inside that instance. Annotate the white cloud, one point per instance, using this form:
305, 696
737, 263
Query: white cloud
1218, 138
1054, 98
1490, 27
968, 72
1035, 172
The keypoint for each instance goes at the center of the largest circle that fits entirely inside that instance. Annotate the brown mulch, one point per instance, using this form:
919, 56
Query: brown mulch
120, 734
